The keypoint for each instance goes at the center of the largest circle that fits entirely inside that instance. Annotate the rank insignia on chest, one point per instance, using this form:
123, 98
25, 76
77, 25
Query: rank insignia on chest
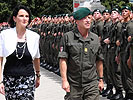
85, 50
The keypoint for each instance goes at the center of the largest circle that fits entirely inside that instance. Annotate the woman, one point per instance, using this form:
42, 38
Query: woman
20, 46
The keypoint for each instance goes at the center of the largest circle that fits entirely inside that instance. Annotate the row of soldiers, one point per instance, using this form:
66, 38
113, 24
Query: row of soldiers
51, 30
4, 26
115, 34
114, 29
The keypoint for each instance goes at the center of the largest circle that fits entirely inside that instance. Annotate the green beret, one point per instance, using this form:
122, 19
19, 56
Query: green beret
44, 15
97, 10
126, 7
55, 16
70, 15
67, 15
81, 13
106, 11
49, 16
59, 15
115, 9
63, 15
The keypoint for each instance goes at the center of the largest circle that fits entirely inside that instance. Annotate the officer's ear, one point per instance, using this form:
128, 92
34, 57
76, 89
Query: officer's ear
77, 22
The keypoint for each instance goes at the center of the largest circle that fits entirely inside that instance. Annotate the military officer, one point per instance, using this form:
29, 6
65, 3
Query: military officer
80, 59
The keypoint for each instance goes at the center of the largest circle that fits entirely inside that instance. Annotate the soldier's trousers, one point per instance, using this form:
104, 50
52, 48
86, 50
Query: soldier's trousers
105, 65
114, 70
89, 92
126, 73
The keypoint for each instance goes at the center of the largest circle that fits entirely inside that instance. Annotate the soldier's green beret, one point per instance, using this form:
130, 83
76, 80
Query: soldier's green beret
55, 16
126, 7
97, 10
58, 15
44, 15
81, 13
115, 9
70, 15
106, 11
49, 16
62, 15
67, 15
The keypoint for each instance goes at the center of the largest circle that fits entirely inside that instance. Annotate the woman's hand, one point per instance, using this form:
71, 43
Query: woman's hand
2, 90
37, 82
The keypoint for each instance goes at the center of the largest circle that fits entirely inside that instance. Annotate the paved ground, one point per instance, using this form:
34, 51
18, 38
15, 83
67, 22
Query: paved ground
50, 88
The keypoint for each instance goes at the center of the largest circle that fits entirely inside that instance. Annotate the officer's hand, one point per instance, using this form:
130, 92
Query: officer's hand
101, 84
118, 43
2, 89
66, 86
129, 38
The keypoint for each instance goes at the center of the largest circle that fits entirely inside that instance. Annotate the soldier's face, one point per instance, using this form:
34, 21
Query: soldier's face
55, 19
49, 18
106, 16
85, 23
114, 15
66, 18
97, 15
59, 19
45, 19
126, 13
71, 18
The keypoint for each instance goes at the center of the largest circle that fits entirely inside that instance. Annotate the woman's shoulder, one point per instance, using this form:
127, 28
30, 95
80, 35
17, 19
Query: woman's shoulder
8, 31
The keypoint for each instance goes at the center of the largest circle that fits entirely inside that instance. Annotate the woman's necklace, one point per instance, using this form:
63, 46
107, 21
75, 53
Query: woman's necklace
20, 47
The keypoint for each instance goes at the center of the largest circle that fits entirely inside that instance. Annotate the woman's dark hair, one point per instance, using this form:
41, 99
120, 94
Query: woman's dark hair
15, 13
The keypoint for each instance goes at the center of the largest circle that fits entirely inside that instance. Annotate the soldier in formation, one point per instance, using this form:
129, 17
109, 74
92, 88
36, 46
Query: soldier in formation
104, 42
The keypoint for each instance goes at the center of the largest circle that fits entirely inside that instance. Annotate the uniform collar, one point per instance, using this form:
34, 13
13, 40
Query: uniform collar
98, 21
78, 35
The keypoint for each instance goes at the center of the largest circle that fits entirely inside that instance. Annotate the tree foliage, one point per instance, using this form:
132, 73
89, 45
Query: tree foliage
37, 7
109, 4
49, 7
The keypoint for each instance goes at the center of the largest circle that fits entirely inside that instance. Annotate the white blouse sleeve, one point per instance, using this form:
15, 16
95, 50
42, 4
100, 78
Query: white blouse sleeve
1, 46
38, 50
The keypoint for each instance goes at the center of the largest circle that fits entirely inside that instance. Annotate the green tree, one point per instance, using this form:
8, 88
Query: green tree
37, 7
109, 4
4, 12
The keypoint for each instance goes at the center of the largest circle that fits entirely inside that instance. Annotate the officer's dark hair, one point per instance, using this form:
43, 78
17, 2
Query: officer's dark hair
15, 13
